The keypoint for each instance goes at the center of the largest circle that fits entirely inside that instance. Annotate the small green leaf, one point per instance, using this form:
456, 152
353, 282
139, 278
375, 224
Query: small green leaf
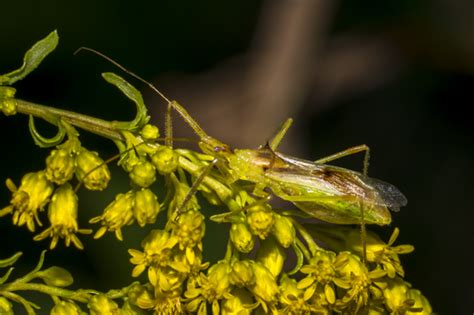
132, 93
6, 276
10, 261
33, 57
56, 276
43, 142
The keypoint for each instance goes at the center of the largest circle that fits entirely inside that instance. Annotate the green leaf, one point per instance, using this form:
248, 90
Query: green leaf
5, 277
132, 93
56, 276
43, 142
33, 57
10, 261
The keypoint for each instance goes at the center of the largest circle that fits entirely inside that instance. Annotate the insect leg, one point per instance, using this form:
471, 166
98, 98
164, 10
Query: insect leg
280, 134
348, 152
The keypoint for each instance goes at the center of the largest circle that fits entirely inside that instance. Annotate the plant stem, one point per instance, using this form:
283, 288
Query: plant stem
52, 115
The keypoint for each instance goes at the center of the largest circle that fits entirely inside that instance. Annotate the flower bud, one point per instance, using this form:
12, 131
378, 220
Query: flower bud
59, 166
260, 220
265, 286
271, 255
241, 237
102, 305
238, 304
8, 106
189, 229
242, 274
146, 207
116, 215
6, 307
218, 276
150, 132
165, 160
65, 308
143, 174
91, 170
283, 230
420, 301
142, 297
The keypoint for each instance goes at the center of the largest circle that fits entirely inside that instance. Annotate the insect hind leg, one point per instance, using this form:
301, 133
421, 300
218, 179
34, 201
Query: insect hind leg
360, 148
275, 142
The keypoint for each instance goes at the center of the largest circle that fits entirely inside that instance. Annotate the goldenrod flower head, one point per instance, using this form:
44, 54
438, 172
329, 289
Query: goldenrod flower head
283, 230
102, 305
65, 308
146, 207
165, 160
240, 303
91, 170
260, 220
116, 215
321, 274
62, 214
60, 166
271, 255
189, 229
5, 306
141, 295
157, 251
241, 237
166, 280
265, 288
32, 195
401, 299
420, 301
143, 174
209, 289
295, 301
130, 309
242, 273
150, 132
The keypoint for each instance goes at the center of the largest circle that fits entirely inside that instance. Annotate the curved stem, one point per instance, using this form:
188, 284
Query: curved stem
80, 295
98, 126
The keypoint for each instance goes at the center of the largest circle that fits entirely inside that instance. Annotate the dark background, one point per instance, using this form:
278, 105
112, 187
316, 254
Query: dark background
396, 75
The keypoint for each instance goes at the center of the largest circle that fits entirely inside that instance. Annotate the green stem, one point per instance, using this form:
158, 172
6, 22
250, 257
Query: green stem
80, 295
94, 125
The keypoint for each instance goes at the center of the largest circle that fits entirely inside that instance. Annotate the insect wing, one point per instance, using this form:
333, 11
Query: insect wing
356, 183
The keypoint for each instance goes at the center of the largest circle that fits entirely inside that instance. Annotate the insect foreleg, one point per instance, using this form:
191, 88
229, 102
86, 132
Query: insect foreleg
280, 134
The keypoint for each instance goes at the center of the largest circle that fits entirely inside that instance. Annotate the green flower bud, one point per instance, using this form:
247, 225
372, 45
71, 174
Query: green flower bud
146, 207
150, 132
218, 276
6, 307
7, 92
189, 229
59, 166
265, 287
240, 303
141, 296
102, 305
260, 219
165, 160
65, 308
143, 174
271, 255
283, 230
241, 237
242, 273
32, 195
91, 170
116, 215
8, 106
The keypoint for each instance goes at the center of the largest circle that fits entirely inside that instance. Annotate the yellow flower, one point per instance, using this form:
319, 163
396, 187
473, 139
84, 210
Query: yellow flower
143, 174
401, 299
260, 220
189, 228
146, 207
150, 132
60, 166
271, 255
116, 215
62, 214
157, 251
65, 308
102, 305
241, 237
240, 303
32, 195
295, 301
265, 288
91, 170
6, 308
242, 273
283, 230
165, 160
